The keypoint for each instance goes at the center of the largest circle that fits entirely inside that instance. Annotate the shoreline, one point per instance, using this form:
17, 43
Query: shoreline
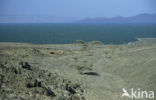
138, 40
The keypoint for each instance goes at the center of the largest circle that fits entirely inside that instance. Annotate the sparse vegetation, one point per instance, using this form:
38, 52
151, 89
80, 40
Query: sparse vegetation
80, 41
95, 42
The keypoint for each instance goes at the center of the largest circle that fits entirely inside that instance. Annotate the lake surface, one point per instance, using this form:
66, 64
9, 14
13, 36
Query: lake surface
68, 33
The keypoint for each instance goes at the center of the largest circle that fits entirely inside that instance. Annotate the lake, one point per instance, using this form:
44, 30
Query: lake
47, 33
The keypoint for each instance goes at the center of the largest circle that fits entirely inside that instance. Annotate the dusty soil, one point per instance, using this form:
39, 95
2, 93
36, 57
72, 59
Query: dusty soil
80, 71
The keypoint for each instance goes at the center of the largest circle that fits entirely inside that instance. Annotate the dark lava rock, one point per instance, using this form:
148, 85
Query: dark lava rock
90, 73
52, 52
26, 65
27, 82
50, 93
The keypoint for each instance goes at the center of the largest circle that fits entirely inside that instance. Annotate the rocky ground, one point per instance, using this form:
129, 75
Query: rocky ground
21, 81
80, 71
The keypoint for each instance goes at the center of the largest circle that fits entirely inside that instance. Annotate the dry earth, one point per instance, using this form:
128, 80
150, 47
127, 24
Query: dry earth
80, 71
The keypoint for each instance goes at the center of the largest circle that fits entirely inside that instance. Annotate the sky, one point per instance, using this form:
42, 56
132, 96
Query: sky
68, 10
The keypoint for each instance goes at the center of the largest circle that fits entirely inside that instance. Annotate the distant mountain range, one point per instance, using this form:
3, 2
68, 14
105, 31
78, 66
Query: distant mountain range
141, 18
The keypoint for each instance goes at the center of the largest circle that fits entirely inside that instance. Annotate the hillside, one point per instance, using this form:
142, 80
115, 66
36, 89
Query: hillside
80, 71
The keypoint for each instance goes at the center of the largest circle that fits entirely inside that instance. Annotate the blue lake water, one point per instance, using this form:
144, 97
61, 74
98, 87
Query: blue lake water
68, 33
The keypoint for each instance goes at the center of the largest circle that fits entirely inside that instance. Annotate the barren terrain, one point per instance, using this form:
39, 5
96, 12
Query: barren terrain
79, 71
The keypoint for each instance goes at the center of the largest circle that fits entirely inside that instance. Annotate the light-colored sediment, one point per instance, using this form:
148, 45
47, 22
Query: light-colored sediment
102, 69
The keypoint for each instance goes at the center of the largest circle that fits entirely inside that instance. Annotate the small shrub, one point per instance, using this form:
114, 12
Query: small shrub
96, 42
80, 41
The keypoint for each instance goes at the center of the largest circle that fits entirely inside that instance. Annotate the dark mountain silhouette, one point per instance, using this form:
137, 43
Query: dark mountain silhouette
141, 18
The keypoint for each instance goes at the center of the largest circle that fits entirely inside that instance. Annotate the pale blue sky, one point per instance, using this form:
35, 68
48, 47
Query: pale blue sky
76, 9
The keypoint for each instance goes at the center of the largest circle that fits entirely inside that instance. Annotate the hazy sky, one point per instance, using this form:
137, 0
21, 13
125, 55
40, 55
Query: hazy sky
76, 9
